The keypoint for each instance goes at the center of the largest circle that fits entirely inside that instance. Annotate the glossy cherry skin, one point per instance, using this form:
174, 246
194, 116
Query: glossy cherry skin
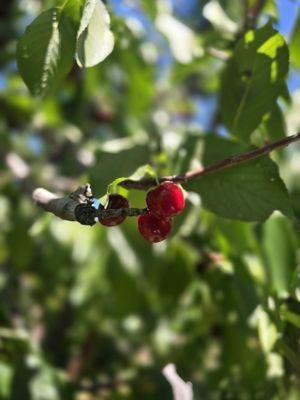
166, 200
153, 228
115, 201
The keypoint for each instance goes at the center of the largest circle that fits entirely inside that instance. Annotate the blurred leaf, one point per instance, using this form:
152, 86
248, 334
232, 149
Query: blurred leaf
290, 316
6, 373
149, 8
267, 331
111, 164
271, 8
182, 40
253, 80
249, 192
145, 171
279, 247
294, 44
95, 40
215, 14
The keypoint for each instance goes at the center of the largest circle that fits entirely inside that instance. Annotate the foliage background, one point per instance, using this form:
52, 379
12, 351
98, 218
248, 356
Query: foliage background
93, 313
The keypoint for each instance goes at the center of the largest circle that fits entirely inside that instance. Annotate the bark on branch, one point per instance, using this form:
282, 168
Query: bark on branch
77, 206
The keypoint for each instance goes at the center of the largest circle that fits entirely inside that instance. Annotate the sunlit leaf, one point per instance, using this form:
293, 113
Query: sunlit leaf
46, 50
95, 40
252, 80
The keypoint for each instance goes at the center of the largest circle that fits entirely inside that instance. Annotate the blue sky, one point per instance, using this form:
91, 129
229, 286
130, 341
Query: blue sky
288, 12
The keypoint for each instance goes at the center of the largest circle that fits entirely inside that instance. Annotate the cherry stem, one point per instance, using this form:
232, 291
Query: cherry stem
146, 183
124, 212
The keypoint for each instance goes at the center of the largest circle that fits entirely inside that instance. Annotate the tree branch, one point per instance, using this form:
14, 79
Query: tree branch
252, 14
146, 183
63, 207
78, 206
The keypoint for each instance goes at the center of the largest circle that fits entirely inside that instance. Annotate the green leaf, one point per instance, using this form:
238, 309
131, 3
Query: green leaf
122, 160
216, 15
295, 44
95, 40
72, 9
6, 374
145, 171
248, 192
253, 80
274, 127
267, 331
290, 316
280, 254
149, 8
45, 52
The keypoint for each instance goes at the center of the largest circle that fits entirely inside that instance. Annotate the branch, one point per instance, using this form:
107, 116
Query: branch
78, 206
219, 54
252, 14
63, 207
146, 183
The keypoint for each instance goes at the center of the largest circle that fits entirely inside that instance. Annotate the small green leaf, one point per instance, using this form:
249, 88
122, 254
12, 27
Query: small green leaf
248, 192
145, 171
95, 40
216, 15
46, 50
290, 316
253, 80
267, 331
295, 44
6, 374
280, 253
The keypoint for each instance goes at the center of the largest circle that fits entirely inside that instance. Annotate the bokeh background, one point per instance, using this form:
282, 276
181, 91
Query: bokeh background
96, 313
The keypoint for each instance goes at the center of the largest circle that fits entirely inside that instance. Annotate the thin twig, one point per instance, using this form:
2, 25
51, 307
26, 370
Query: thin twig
145, 184
81, 200
219, 54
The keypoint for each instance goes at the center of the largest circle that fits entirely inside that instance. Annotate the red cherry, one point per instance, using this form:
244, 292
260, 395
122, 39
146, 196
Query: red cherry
115, 201
152, 228
166, 200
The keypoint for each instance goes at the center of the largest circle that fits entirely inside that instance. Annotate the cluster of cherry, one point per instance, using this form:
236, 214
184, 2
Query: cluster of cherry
163, 203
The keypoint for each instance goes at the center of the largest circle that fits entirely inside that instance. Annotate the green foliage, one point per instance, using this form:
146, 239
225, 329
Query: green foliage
249, 192
122, 156
253, 80
48, 44
94, 312
50, 41
294, 44
274, 127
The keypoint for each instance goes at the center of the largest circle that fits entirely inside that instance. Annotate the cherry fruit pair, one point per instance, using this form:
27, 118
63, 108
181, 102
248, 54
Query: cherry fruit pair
164, 202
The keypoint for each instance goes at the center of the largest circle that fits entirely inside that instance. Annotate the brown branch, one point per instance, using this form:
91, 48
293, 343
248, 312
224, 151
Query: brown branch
219, 54
77, 206
252, 14
63, 207
147, 183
